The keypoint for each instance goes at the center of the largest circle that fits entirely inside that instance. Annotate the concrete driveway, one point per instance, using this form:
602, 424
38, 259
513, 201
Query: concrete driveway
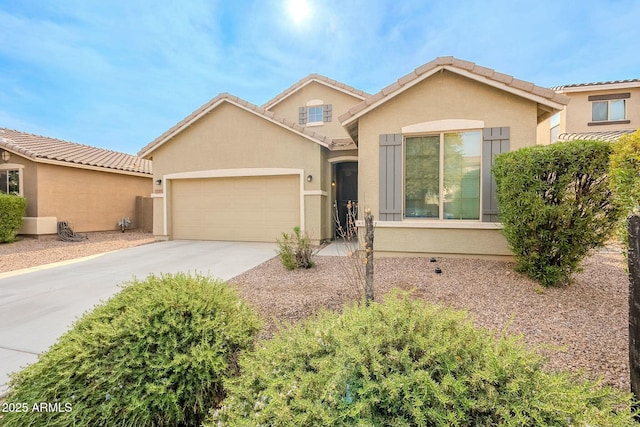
37, 307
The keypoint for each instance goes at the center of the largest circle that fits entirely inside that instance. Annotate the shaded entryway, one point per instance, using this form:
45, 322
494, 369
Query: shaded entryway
346, 182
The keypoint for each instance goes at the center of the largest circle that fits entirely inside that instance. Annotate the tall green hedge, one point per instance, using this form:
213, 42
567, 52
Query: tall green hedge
625, 177
12, 209
155, 354
406, 363
555, 205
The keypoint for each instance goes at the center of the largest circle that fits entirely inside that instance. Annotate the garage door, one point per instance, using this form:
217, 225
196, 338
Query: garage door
252, 209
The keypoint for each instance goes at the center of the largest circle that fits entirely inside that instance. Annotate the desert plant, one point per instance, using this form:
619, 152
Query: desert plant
407, 363
155, 354
12, 209
555, 205
295, 251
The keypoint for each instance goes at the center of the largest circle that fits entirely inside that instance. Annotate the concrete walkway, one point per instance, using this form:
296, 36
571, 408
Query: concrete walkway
37, 307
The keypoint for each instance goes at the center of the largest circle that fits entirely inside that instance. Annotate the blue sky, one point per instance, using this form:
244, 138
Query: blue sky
116, 74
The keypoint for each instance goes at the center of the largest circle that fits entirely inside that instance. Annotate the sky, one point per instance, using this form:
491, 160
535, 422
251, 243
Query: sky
117, 74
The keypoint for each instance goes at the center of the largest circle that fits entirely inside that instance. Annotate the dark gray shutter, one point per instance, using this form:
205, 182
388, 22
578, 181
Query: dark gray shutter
326, 113
302, 115
391, 177
494, 142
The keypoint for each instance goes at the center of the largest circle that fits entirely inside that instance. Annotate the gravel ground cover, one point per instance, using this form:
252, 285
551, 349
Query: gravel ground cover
30, 251
583, 326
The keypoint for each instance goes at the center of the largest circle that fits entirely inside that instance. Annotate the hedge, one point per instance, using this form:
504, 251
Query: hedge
12, 209
555, 205
155, 354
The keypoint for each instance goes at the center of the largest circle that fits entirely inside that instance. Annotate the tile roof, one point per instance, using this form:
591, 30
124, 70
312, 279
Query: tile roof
38, 147
246, 105
457, 65
611, 82
609, 136
318, 78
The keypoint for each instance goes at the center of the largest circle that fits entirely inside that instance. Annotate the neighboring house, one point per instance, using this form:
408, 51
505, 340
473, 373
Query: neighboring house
418, 153
91, 188
596, 111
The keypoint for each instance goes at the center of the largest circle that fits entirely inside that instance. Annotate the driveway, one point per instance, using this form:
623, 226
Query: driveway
39, 306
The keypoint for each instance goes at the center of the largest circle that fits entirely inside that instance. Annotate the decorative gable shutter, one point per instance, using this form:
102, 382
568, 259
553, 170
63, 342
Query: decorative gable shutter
494, 142
326, 113
302, 115
391, 177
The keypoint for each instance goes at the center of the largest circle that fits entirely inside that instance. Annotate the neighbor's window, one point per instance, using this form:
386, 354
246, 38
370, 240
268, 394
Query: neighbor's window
554, 124
608, 110
314, 114
442, 176
10, 181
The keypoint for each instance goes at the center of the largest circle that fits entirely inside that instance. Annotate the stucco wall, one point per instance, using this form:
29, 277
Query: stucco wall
340, 101
579, 111
89, 200
232, 138
442, 96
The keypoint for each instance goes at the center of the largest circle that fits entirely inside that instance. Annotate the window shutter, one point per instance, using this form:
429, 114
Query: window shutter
326, 113
391, 177
494, 142
302, 115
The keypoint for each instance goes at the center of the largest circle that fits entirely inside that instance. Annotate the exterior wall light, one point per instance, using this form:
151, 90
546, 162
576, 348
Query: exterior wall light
158, 182
309, 178
6, 156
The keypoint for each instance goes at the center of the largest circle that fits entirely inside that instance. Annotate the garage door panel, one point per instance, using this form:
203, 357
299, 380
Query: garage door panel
238, 208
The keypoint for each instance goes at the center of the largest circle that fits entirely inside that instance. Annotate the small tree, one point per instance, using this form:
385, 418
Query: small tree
555, 205
625, 177
12, 209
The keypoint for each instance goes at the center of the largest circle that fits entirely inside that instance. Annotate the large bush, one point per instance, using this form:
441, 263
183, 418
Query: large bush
625, 177
555, 205
153, 355
405, 363
12, 209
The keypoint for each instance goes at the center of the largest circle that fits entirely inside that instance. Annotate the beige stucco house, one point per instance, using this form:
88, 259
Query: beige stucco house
90, 188
418, 154
596, 111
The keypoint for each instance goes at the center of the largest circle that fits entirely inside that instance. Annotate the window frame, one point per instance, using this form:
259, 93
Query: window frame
14, 167
321, 115
441, 175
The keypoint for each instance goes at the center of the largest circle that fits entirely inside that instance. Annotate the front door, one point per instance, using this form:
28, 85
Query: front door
346, 190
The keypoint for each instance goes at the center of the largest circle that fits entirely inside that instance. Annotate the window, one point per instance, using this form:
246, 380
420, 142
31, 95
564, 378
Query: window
10, 181
608, 110
554, 124
314, 114
442, 176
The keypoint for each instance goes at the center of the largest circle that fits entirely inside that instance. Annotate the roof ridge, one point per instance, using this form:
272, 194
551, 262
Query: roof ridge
310, 77
466, 66
213, 103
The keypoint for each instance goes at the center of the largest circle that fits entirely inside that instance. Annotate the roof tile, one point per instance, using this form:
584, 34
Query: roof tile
42, 147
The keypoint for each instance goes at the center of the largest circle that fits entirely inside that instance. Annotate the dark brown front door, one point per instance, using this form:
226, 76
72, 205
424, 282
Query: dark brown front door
346, 188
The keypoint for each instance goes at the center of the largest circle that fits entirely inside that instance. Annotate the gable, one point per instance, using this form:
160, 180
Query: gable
230, 137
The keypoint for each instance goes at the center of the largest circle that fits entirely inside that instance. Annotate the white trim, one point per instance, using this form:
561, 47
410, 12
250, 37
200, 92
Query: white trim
311, 124
315, 193
448, 125
231, 173
437, 224
341, 159
599, 87
157, 195
315, 103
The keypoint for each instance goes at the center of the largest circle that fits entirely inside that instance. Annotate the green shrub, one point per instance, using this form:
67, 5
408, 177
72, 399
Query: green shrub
625, 177
294, 250
555, 205
405, 363
153, 355
12, 209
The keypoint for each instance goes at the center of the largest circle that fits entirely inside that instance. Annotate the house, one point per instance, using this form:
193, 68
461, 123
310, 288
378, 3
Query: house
596, 111
90, 188
418, 153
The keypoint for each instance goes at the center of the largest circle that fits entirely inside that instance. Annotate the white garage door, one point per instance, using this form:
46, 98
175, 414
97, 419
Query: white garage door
252, 209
